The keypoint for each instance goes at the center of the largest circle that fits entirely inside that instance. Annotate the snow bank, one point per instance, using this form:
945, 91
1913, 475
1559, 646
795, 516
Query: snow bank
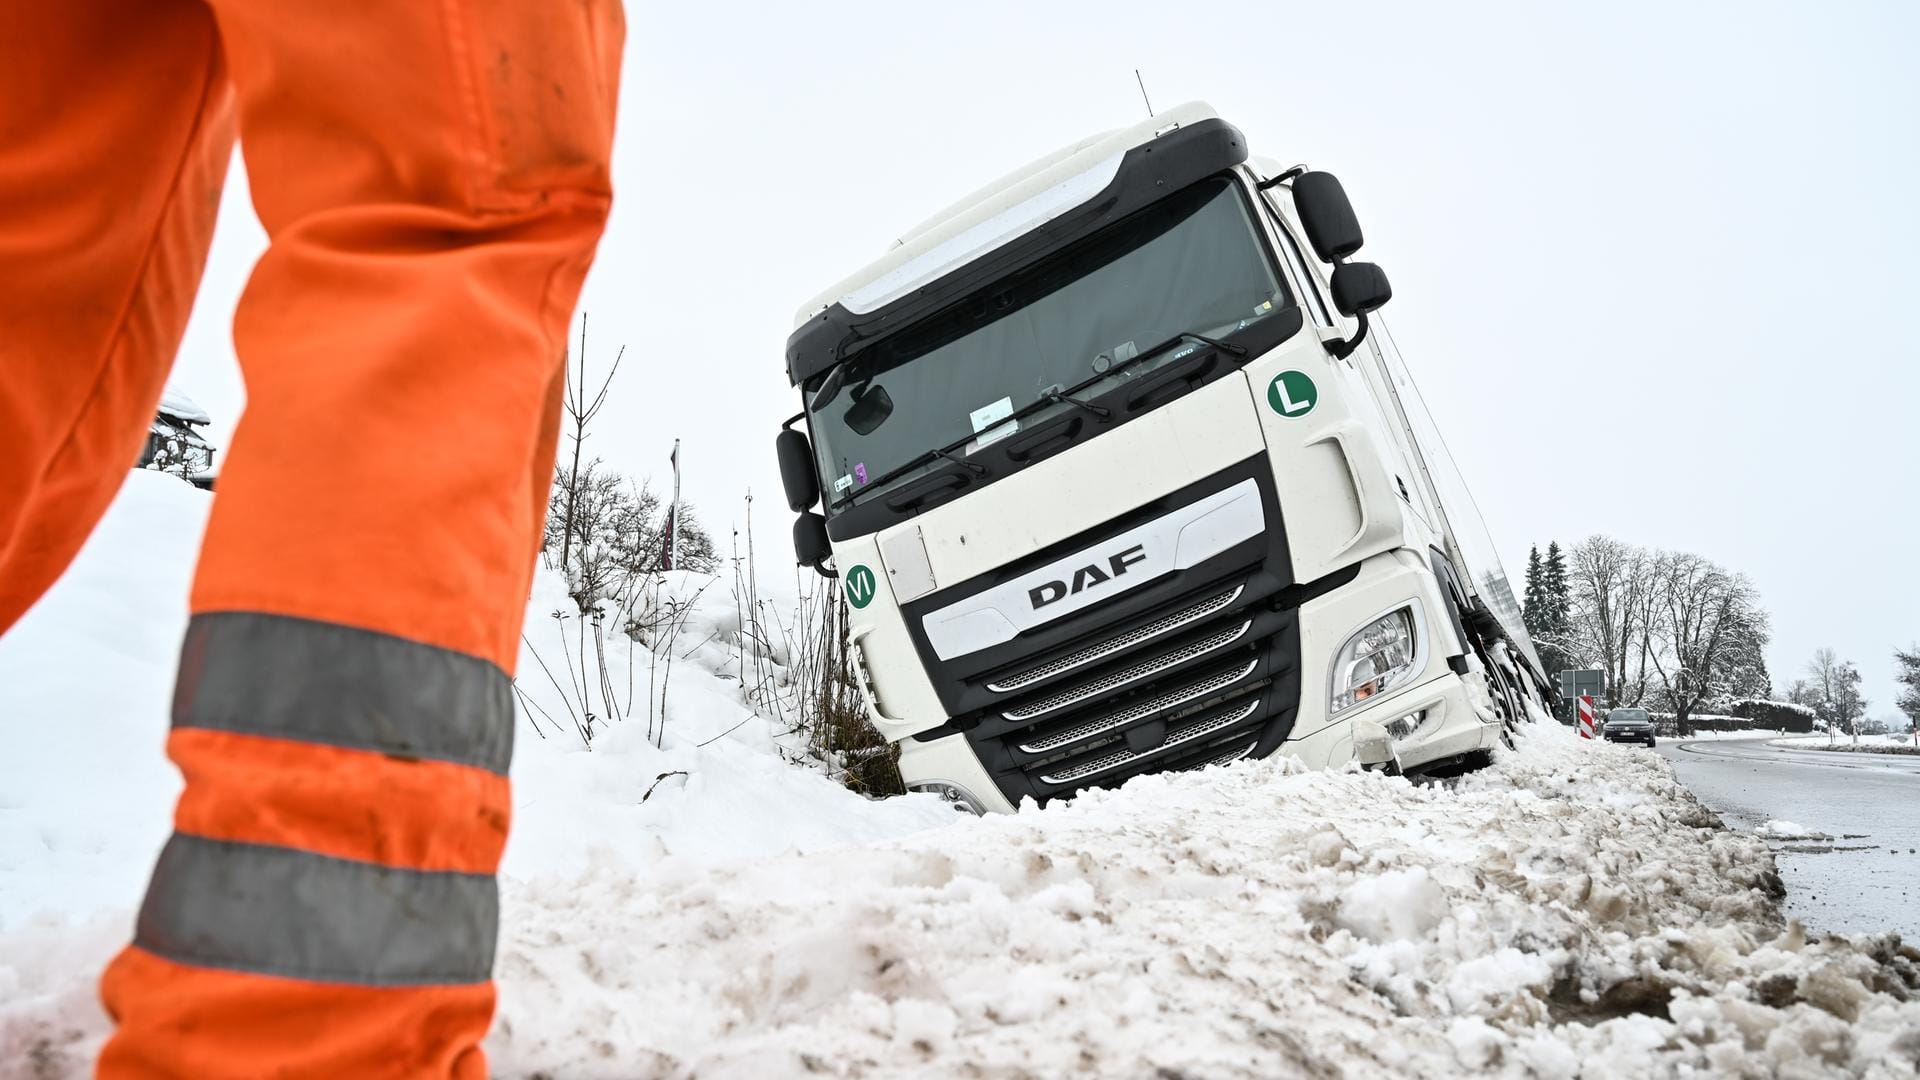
1570, 910
1762, 734
720, 782
1841, 741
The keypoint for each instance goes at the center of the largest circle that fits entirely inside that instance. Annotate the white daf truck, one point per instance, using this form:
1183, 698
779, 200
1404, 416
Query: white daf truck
1119, 477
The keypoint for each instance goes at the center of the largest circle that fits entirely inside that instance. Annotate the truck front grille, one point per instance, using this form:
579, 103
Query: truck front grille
1196, 682
1185, 732
1197, 665
1107, 684
1118, 642
1159, 703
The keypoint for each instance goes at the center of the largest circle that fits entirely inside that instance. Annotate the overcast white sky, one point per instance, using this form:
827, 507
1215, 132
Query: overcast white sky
1654, 263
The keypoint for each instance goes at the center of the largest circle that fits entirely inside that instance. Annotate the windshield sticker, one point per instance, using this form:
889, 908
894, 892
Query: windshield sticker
842, 485
1121, 353
986, 416
860, 474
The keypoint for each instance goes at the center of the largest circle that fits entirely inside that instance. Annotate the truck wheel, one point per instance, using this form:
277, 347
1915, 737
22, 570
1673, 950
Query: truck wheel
1506, 703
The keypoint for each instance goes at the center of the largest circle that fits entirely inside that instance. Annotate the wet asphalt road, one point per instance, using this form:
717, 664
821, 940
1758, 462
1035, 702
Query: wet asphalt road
1865, 879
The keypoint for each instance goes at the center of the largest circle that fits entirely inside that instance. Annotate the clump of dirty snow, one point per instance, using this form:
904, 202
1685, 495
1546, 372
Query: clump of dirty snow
1787, 830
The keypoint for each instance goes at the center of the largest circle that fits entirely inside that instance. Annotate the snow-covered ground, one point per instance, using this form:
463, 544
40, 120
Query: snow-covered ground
1570, 911
1724, 736
1843, 741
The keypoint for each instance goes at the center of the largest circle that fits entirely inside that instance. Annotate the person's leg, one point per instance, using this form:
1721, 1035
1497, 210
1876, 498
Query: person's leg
434, 178
116, 124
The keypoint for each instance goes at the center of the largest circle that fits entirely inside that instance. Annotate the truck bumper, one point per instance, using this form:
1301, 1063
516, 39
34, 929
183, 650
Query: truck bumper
1451, 723
1426, 725
952, 763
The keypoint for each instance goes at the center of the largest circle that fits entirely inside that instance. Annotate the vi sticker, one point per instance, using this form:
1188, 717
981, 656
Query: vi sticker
860, 586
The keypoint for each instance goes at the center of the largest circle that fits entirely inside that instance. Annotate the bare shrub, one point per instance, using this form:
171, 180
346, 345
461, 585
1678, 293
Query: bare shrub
830, 710
794, 668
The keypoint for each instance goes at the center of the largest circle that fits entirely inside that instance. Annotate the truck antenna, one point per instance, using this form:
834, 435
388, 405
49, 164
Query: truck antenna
1143, 92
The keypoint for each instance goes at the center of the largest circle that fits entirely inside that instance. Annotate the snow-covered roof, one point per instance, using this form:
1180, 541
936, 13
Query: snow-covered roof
998, 213
177, 429
181, 407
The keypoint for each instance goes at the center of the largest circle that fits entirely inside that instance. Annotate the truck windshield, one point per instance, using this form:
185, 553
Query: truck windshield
1191, 263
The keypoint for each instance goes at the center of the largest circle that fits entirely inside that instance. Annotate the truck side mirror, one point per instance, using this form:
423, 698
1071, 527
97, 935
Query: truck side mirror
810, 544
796, 469
1360, 287
1328, 217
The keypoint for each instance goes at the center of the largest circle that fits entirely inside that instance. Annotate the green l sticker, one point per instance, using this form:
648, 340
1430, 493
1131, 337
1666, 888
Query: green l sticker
860, 586
1292, 393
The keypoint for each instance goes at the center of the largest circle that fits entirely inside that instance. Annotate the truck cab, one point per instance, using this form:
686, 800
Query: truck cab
1120, 474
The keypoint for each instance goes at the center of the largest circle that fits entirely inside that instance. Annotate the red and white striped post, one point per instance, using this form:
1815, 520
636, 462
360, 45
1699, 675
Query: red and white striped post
1586, 716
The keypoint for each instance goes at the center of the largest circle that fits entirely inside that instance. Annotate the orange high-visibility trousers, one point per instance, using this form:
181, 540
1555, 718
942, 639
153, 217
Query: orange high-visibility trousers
433, 175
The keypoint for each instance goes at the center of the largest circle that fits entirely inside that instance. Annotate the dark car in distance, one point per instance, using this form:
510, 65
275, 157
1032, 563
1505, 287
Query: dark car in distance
1628, 725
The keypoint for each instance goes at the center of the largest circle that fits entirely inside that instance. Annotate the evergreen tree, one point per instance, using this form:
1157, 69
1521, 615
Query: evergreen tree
1552, 626
1532, 610
1553, 587
1907, 674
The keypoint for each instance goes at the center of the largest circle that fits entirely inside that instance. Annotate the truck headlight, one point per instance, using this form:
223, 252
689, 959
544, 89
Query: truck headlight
1378, 657
959, 797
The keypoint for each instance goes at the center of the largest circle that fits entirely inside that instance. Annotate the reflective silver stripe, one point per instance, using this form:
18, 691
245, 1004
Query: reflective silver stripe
277, 911
342, 686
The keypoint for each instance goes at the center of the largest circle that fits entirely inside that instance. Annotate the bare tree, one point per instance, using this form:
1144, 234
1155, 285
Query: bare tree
1835, 686
1614, 602
1706, 625
1848, 703
608, 531
580, 412
1802, 692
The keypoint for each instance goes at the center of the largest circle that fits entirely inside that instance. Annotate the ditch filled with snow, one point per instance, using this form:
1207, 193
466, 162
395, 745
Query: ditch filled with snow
690, 898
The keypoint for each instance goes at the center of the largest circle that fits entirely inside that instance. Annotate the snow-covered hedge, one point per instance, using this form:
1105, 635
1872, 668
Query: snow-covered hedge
1775, 715
1668, 724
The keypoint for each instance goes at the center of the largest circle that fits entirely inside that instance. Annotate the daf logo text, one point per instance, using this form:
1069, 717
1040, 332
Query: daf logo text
1086, 577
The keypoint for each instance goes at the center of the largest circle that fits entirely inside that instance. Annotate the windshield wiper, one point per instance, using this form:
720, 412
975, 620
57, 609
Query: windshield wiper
973, 467
1052, 397
1223, 346
936, 454
1060, 396
1136, 358
1066, 395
